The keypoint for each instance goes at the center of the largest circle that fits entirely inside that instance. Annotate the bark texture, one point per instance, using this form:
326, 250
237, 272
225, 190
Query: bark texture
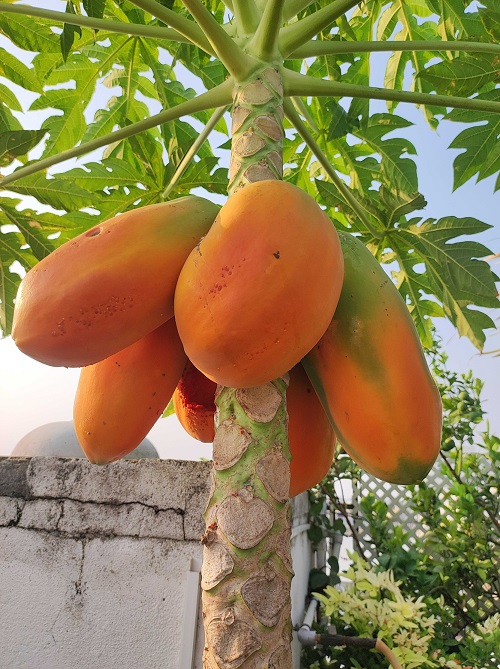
247, 568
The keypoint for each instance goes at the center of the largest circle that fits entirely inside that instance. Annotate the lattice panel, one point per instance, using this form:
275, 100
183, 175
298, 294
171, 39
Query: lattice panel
397, 498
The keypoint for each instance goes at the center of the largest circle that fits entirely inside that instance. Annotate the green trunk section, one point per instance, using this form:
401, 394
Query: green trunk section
247, 566
257, 133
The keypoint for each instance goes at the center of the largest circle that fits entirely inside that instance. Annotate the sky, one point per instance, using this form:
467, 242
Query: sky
33, 394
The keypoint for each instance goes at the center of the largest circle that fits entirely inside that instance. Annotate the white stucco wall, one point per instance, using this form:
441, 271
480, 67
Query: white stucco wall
98, 565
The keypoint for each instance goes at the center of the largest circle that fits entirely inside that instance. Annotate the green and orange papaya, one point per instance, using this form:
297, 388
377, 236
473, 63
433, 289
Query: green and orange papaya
108, 287
259, 290
370, 373
120, 398
311, 436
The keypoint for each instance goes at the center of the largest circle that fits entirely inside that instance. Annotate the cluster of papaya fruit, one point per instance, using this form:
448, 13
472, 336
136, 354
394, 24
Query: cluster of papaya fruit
169, 300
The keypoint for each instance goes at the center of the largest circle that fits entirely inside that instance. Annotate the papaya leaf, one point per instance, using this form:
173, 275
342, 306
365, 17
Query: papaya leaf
58, 193
10, 251
15, 144
29, 33
9, 99
461, 76
455, 274
94, 8
67, 37
397, 170
201, 174
480, 143
109, 174
13, 69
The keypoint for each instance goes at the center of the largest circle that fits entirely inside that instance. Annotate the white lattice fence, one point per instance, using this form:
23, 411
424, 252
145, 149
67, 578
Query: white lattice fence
400, 512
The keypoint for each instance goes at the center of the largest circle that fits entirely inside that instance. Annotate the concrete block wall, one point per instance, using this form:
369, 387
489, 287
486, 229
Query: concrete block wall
99, 566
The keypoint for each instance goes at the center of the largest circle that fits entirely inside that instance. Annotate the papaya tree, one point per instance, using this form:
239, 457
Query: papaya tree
132, 93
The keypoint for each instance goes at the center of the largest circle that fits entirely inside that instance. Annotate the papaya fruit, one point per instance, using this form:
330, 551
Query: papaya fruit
194, 403
311, 436
108, 287
120, 398
370, 373
260, 289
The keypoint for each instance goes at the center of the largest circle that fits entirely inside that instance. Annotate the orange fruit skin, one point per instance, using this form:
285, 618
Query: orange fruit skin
108, 287
311, 436
194, 404
259, 290
120, 398
370, 373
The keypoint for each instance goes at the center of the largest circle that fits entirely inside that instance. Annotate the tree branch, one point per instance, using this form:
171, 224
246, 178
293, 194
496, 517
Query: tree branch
238, 63
315, 48
133, 29
297, 33
193, 150
303, 85
343, 189
218, 96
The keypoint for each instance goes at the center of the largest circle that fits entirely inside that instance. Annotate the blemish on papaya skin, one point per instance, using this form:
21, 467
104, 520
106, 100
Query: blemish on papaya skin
277, 255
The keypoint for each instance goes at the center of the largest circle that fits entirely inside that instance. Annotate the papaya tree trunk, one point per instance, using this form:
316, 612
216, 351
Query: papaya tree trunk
247, 568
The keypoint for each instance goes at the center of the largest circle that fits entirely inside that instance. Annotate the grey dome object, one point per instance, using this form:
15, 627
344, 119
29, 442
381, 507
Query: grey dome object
59, 440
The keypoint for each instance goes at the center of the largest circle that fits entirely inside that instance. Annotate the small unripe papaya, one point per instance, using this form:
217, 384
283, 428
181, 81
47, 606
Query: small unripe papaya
370, 373
120, 398
108, 287
311, 436
261, 287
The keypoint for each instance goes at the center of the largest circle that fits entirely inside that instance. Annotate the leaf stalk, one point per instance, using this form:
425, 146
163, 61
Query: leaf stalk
193, 150
295, 34
296, 84
238, 63
180, 23
264, 44
133, 29
343, 189
218, 96
247, 16
315, 48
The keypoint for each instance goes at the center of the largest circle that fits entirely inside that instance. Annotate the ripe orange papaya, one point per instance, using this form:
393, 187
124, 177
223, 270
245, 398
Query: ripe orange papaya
101, 291
311, 436
370, 373
120, 398
260, 289
194, 403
